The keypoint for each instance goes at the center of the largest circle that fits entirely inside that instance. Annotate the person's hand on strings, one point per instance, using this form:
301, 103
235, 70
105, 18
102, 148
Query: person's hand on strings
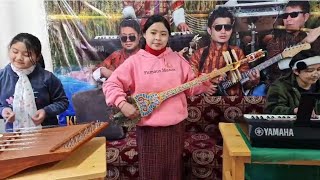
128, 110
212, 84
254, 77
39, 117
8, 114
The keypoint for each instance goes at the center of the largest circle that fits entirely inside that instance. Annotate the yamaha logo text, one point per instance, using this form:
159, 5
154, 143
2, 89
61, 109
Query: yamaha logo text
286, 132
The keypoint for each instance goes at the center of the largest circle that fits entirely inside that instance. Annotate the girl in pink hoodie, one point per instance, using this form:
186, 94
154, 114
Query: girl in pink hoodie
155, 69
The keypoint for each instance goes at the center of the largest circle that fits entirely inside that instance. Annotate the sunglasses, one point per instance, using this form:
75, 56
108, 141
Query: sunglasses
292, 14
125, 38
219, 27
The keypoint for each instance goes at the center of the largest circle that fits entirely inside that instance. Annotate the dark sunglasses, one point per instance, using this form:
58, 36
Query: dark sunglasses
219, 27
125, 38
292, 14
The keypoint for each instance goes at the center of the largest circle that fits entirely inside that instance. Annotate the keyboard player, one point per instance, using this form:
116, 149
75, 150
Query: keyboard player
284, 94
129, 34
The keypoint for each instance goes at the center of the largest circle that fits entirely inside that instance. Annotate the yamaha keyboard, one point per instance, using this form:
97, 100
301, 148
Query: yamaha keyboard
272, 117
262, 14
117, 37
255, 9
280, 131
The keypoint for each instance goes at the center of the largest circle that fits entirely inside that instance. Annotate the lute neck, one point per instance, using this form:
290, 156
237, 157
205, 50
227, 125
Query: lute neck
174, 91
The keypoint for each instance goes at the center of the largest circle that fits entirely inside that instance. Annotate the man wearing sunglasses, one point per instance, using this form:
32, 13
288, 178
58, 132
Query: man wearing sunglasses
296, 13
129, 34
208, 59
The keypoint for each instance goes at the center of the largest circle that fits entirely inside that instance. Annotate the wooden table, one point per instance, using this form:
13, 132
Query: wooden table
236, 153
87, 162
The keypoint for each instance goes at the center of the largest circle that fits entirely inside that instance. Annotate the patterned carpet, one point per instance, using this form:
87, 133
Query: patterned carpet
203, 142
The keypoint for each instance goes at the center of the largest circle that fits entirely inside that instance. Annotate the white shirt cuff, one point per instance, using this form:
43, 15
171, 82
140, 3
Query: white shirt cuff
96, 75
178, 16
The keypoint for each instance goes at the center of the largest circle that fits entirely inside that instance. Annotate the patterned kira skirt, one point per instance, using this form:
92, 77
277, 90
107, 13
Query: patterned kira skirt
160, 152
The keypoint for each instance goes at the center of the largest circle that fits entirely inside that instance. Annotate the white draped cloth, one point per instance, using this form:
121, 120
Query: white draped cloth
24, 105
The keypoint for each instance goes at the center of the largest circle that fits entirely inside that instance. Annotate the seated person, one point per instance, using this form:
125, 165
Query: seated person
284, 94
29, 95
207, 59
130, 34
296, 14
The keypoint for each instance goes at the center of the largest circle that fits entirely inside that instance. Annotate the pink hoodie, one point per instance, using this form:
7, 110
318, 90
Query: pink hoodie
144, 73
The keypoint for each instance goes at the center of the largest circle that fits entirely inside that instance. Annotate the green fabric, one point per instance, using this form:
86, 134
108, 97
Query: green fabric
281, 172
255, 171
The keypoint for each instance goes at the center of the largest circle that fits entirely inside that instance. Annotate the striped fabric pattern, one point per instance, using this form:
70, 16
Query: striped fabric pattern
160, 152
